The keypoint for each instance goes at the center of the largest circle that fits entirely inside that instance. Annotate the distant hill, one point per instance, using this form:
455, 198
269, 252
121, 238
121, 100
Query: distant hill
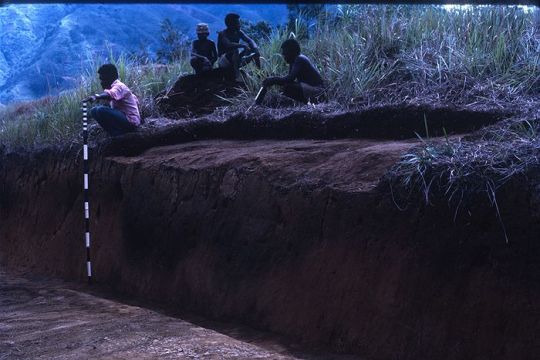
44, 47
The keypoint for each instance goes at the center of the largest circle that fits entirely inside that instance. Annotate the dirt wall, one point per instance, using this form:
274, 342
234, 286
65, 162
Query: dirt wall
297, 237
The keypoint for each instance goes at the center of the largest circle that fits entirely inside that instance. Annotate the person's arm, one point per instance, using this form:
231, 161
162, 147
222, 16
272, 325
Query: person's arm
213, 56
95, 97
248, 40
281, 80
228, 44
117, 92
198, 56
194, 51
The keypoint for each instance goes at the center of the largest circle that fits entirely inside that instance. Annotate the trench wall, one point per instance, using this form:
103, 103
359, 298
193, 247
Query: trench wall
327, 267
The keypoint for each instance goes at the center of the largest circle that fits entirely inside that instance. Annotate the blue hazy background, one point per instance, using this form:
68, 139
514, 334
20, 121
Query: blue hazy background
45, 47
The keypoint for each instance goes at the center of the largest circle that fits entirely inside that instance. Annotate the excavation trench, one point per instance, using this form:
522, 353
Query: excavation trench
296, 236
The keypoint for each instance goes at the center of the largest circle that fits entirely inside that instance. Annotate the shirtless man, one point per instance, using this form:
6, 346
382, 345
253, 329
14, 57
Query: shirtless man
229, 43
203, 51
304, 82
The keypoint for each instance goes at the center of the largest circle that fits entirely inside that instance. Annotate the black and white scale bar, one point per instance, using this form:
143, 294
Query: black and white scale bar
85, 191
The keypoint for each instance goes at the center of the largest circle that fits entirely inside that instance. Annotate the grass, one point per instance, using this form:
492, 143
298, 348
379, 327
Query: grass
462, 166
420, 52
456, 169
57, 119
368, 54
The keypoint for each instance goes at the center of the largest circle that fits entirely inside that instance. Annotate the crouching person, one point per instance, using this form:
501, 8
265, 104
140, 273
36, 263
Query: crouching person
304, 82
203, 51
123, 114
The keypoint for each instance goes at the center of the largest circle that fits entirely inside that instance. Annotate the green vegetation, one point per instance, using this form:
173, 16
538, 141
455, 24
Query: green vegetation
419, 52
174, 45
260, 31
453, 170
460, 167
368, 54
58, 119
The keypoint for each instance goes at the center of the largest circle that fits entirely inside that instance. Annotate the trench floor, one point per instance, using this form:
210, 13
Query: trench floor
42, 318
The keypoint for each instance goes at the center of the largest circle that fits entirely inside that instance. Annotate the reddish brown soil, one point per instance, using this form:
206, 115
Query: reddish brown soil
297, 237
347, 165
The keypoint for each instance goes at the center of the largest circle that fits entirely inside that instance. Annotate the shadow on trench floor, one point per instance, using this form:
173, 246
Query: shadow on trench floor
44, 318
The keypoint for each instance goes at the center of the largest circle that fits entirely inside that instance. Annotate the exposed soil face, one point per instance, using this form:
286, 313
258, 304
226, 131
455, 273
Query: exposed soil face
294, 236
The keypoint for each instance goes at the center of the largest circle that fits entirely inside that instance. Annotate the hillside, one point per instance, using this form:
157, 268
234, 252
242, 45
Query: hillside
44, 48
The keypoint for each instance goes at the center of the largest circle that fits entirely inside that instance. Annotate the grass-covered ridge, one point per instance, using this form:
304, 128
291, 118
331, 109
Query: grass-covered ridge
368, 54
489, 53
58, 120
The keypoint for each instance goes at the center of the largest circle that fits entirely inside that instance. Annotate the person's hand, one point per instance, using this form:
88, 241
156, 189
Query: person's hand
269, 81
91, 98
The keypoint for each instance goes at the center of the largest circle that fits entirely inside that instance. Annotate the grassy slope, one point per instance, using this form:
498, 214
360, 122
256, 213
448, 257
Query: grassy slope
371, 54
488, 55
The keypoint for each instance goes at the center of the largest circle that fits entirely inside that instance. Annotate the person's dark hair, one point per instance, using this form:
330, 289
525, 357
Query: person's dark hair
231, 18
108, 71
291, 45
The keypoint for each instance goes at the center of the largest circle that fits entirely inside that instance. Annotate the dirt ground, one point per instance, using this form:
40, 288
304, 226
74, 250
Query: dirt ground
345, 164
41, 318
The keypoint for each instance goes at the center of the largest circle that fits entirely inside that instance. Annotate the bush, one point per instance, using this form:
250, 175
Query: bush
259, 32
174, 45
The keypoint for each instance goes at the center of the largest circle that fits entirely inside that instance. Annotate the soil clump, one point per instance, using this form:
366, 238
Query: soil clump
196, 94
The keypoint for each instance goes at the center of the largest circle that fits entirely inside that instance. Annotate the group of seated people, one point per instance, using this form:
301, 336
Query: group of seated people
228, 57
303, 83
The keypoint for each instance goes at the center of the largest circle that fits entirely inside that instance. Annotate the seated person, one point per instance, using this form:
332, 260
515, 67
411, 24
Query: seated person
123, 114
304, 82
228, 45
203, 51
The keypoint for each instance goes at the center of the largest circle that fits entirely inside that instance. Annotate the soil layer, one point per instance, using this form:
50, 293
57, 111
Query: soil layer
298, 237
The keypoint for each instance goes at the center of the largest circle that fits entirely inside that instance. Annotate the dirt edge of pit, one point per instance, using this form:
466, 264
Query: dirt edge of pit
347, 270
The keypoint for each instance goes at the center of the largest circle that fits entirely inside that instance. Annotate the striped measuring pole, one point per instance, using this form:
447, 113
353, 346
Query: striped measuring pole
86, 170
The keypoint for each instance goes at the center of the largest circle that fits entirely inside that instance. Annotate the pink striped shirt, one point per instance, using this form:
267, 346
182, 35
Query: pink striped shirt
125, 101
